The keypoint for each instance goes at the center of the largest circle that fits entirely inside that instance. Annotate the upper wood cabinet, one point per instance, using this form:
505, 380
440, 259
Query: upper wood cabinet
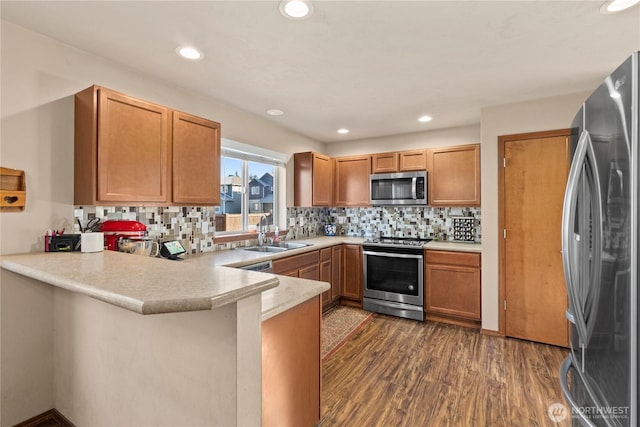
132, 151
313, 179
454, 175
196, 160
413, 160
122, 149
352, 180
384, 162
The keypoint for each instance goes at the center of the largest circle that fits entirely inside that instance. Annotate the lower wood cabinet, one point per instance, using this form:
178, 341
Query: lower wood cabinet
352, 285
304, 266
336, 273
326, 274
452, 287
291, 370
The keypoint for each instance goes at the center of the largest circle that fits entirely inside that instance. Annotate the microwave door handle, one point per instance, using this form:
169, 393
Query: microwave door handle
414, 187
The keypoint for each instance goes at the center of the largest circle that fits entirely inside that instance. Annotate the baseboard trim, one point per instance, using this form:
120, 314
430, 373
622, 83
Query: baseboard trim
47, 418
490, 332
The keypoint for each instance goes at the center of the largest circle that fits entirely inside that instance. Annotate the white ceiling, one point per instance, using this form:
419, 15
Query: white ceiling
371, 66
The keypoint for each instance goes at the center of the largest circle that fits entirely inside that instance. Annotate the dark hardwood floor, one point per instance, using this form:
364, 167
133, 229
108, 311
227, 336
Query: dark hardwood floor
398, 372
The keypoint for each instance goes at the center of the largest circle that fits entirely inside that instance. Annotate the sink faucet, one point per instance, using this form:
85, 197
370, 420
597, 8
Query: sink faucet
261, 229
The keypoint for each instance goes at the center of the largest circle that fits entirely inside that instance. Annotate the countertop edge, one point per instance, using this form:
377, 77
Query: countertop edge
297, 293
73, 286
47, 269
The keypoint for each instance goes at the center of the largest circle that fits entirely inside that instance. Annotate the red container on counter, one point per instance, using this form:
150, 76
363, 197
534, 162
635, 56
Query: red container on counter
115, 229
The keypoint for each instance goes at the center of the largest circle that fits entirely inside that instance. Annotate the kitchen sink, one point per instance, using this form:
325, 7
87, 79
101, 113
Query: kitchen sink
278, 247
266, 249
291, 245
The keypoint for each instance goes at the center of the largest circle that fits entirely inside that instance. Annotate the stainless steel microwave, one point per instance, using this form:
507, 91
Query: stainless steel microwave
402, 188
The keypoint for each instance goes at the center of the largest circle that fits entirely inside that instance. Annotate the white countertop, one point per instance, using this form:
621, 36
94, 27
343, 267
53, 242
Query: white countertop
200, 282
141, 284
437, 245
291, 291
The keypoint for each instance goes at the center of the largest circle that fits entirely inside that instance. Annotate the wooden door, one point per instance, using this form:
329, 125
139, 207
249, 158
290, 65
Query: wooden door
352, 180
534, 179
196, 160
133, 149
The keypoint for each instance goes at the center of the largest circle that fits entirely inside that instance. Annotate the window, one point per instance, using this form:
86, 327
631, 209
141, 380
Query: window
244, 167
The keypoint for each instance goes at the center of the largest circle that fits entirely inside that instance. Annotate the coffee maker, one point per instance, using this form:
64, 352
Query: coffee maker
114, 230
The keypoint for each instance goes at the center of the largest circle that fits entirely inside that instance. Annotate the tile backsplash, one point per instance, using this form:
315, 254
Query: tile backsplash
422, 222
195, 226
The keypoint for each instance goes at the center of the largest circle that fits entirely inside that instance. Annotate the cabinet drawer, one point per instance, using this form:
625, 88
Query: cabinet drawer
325, 254
463, 259
295, 262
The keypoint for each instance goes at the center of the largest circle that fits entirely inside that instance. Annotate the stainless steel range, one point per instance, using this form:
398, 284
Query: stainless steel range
393, 276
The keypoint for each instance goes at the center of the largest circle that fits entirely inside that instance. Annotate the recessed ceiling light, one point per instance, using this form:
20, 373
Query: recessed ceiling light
613, 6
189, 52
275, 112
296, 9
425, 119
343, 131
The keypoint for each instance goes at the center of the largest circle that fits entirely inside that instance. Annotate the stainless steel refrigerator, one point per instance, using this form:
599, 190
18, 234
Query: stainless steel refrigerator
599, 378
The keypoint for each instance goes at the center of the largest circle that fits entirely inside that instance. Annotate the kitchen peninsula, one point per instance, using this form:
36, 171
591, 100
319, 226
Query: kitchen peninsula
143, 341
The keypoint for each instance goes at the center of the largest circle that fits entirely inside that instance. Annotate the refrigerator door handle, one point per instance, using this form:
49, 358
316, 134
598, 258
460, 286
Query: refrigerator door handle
564, 385
569, 238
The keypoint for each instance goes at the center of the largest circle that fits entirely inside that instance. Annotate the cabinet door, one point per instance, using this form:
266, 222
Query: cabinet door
196, 160
336, 272
384, 163
291, 366
352, 180
414, 160
352, 285
311, 272
322, 180
454, 176
453, 291
133, 149
452, 284
326, 274
312, 179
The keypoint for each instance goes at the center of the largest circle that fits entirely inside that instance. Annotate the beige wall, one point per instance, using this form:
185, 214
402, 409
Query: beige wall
532, 116
409, 141
39, 77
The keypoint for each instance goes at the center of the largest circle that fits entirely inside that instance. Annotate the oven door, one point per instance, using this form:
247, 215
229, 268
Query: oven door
395, 277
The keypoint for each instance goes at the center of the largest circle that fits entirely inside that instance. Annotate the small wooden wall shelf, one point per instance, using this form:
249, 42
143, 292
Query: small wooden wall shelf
13, 190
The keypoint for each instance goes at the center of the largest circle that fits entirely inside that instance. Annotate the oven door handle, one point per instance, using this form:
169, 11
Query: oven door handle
392, 255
